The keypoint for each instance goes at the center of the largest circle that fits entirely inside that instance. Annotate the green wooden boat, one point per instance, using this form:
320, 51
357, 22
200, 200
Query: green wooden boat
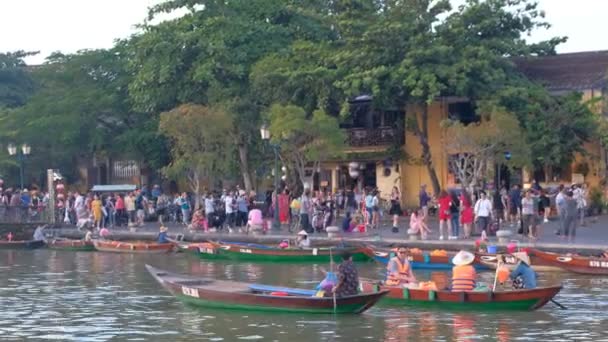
222, 294
262, 253
525, 300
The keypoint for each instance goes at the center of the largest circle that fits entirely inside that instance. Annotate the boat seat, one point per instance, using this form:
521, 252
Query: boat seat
288, 290
194, 282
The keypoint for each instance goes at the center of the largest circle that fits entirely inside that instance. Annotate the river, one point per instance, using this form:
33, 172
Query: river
92, 296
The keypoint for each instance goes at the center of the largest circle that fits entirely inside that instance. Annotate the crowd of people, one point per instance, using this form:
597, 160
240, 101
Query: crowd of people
482, 212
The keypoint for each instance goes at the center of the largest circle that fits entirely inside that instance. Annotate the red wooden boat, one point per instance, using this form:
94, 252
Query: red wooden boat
443, 299
573, 263
143, 247
71, 245
221, 294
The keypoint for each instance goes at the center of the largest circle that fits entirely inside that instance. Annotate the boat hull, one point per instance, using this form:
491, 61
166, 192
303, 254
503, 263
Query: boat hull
133, 247
522, 300
71, 245
214, 294
573, 263
29, 244
256, 254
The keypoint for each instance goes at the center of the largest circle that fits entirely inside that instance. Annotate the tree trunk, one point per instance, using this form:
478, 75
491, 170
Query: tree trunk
244, 162
423, 137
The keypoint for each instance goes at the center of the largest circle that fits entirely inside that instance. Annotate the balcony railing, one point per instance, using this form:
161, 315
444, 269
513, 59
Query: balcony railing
382, 136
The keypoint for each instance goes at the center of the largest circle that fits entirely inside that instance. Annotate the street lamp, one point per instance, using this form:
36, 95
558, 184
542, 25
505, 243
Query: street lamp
21, 155
265, 133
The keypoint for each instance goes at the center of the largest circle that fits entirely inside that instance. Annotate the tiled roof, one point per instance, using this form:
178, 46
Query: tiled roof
567, 71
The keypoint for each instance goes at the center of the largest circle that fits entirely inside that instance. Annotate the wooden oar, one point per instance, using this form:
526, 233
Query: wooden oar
558, 304
498, 262
331, 269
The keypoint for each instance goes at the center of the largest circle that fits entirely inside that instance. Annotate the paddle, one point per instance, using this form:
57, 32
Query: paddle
558, 304
331, 268
496, 275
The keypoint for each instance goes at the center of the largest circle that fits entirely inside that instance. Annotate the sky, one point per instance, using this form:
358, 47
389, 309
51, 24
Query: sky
72, 25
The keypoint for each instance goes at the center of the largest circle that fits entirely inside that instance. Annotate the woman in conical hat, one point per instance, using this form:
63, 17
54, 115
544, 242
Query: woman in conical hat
523, 275
302, 239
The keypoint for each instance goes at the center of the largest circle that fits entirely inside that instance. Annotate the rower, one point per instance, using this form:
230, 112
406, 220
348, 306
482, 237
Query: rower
88, 237
523, 275
463, 273
163, 237
302, 240
39, 233
399, 271
348, 279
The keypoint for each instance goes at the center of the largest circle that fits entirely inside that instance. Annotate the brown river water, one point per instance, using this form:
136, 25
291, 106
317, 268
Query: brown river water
91, 296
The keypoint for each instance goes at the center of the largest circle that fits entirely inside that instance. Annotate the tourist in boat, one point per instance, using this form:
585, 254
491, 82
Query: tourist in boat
523, 275
163, 236
39, 233
399, 272
104, 233
88, 236
463, 273
302, 240
348, 279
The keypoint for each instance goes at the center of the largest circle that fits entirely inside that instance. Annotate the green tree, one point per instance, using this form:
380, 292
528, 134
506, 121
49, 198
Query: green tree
16, 85
205, 57
200, 140
474, 148
305, 141
82, 101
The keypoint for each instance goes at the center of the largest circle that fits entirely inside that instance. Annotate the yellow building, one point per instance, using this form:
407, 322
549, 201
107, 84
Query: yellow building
373, 135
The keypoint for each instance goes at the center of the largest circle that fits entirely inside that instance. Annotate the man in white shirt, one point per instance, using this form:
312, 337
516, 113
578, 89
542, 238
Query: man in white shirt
560, 204
229, 203
483, 212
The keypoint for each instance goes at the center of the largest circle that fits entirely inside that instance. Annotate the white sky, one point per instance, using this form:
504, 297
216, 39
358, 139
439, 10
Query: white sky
71, 25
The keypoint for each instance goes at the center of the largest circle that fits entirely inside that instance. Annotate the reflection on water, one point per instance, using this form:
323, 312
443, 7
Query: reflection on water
101, 296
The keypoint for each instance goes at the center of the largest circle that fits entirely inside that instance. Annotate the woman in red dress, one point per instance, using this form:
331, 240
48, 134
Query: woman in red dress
284, 207
445, 214
466, 217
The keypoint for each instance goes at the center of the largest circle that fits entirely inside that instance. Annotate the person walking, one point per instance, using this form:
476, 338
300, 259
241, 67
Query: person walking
97, 212
560, 206
455, 217
527, 214
395, 208
483, 212
445, 215
424, 199
184, 205
571, 217
130, 206
305, 211
466, 215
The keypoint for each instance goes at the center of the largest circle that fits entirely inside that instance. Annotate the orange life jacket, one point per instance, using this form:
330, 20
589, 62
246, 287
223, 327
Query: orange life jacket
392, 278
463, 278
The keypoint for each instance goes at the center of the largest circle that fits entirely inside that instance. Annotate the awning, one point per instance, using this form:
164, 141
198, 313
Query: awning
114, 188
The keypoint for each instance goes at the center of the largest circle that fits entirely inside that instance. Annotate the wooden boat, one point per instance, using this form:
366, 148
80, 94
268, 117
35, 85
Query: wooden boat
424, 260
573, 263
143, 247
539, 265
498, 300
71, 245
262, 253
212, 293
23, 244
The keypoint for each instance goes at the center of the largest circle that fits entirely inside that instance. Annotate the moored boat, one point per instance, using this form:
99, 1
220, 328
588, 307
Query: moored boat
490, 260
143, 247
261, 253
573, 263
424, 260
22, 244
222, 294
526, 300
71, 245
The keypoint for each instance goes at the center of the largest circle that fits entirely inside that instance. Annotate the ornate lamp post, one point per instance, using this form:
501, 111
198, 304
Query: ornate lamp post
21, 155
265, 133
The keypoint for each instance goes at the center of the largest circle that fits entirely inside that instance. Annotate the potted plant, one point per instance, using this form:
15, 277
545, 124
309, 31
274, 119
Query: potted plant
596, 201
